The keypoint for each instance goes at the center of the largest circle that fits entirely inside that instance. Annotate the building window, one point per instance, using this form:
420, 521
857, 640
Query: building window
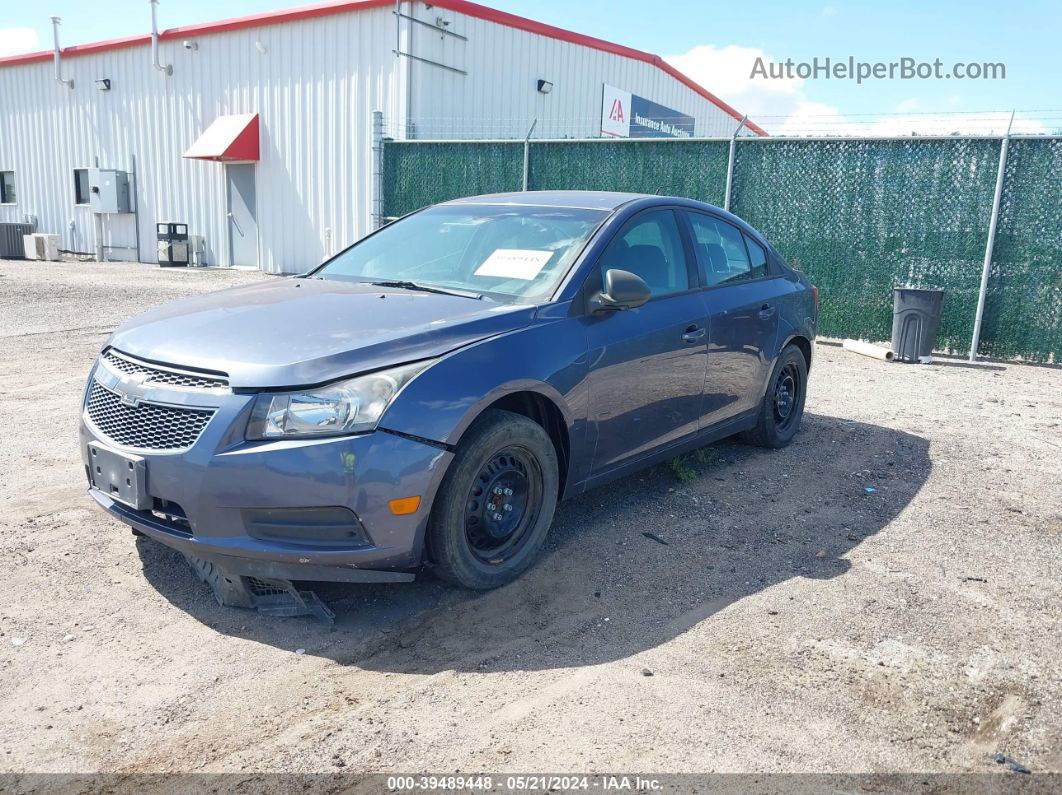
81, 186
7, 187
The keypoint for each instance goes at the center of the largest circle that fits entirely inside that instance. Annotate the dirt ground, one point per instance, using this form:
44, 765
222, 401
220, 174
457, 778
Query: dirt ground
794, 620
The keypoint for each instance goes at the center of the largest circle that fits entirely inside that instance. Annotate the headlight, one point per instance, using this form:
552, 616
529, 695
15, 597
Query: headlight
349, 406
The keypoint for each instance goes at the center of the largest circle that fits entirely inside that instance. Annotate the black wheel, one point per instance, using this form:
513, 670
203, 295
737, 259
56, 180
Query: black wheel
496, 502
783, 404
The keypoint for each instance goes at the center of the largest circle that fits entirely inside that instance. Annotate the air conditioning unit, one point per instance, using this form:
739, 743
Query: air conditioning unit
41, 246
11, 243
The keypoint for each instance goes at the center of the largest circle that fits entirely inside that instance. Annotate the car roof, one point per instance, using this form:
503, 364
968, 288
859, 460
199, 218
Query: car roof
582, 199
597, 200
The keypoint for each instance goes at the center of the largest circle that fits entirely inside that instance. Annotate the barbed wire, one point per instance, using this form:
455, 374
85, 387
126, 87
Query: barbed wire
1046, 121
919, 113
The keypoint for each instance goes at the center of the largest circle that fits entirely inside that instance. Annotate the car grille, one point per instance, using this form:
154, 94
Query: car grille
147, 426
156, 375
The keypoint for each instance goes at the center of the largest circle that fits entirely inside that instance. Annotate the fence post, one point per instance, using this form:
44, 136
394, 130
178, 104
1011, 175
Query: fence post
527, 153
730, 162
990, 245
377, 170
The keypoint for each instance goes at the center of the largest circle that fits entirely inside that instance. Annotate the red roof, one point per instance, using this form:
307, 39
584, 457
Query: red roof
325, 9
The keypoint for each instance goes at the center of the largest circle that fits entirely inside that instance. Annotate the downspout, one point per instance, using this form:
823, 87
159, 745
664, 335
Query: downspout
56, 21
168, 70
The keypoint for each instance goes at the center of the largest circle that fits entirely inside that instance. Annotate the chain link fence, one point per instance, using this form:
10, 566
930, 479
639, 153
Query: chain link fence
859, 216
1023, 305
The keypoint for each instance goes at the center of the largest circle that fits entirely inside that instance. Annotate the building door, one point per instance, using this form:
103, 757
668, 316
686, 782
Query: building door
242, 215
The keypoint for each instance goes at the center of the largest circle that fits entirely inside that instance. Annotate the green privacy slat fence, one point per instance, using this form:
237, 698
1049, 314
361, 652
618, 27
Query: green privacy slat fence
1023, 306
858, 216
861, 217
418, 174
696, 170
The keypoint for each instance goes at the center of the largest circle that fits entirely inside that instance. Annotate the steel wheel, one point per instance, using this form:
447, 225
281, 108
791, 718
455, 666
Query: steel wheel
783, 402
786, 393
502, 504
496, 502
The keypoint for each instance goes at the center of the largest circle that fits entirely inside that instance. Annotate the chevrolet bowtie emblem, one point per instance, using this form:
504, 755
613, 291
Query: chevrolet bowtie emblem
132, 401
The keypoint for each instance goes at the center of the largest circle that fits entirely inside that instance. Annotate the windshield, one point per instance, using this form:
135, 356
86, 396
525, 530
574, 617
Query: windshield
510, 252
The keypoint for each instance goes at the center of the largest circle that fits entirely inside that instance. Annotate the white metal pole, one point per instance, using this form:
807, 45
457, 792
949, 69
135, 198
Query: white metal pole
167, 69
377, 169
730, 162
97, 219
990, 245
134, 190
57, 55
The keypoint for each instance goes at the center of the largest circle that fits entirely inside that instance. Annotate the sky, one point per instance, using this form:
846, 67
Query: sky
718, 44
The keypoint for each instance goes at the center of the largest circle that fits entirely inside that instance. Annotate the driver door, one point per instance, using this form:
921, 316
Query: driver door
647, 365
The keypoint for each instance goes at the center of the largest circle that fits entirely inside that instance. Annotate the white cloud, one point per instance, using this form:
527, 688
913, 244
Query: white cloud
819, 119
782, 106
726, 72
828, 11
14, 41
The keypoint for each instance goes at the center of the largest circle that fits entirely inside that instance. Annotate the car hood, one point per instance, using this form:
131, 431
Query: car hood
296, 332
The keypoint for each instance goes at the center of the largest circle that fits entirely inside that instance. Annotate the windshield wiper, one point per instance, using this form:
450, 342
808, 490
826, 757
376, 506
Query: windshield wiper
424, 288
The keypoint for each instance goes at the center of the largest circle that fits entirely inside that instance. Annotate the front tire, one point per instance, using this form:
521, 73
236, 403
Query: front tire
496, 502
783, 403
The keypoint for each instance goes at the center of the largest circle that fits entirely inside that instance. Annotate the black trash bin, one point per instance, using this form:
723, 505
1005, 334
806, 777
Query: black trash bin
173, 245
915, 323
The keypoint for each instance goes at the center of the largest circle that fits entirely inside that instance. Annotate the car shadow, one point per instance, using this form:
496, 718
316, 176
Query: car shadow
627, 567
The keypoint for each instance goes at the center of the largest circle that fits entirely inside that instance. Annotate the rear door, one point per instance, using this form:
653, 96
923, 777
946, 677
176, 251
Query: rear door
741, 300
647, 365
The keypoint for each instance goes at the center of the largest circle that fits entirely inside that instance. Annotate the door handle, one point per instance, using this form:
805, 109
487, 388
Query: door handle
235, 223
694, 333
766, 311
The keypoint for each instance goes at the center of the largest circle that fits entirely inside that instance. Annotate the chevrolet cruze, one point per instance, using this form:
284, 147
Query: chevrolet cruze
425, 398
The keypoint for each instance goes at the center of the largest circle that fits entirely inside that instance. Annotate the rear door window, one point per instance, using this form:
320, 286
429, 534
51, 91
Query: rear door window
721, 253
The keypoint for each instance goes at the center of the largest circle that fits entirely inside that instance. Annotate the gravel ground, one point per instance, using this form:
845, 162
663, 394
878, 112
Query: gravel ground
792, 621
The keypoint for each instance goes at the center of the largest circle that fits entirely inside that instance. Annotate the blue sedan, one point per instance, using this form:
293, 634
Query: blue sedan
428, 395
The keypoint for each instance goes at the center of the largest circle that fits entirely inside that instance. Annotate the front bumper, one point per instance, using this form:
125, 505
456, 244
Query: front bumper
222, 477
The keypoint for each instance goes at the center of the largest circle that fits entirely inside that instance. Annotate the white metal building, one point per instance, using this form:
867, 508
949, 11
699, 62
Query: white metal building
258, 132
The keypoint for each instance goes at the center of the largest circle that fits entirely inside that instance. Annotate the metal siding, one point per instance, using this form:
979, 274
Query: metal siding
499, 97
314, 89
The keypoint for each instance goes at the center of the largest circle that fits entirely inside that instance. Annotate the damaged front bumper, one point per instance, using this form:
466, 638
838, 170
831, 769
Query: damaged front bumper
251, 517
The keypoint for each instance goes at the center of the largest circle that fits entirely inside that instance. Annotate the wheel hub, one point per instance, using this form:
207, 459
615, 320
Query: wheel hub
785, 395
497, 511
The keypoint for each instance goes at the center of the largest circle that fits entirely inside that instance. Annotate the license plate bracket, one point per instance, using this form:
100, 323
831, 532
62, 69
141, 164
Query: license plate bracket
120, 476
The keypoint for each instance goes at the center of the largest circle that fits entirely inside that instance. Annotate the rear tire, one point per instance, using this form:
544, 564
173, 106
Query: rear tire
496, 502
783, 404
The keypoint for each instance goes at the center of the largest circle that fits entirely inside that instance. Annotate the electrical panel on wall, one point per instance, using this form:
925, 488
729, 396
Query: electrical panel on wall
109, 191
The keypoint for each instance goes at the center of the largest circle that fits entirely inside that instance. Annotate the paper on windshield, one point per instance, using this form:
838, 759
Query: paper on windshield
514, 263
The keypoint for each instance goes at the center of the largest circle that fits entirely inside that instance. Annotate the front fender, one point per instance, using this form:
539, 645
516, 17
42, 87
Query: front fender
548, 357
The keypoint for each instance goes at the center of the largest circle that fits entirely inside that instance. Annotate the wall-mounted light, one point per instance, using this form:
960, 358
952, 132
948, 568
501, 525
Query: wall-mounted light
191, 45
103, 83
544, 86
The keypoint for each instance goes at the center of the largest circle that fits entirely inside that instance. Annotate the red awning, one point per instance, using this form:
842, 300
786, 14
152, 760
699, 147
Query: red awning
228, 138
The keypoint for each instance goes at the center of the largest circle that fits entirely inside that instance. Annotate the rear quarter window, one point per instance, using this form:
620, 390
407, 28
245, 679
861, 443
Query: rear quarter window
758, 267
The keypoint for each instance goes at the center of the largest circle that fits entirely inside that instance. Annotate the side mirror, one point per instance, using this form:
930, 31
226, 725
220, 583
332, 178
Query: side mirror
623, 290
